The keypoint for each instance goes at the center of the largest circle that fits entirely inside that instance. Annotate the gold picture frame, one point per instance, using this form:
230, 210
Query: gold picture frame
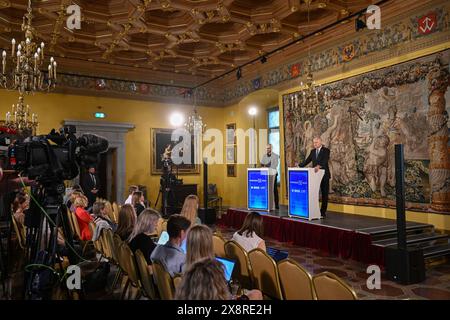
160, 138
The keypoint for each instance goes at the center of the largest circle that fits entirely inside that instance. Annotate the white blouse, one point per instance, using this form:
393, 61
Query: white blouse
247, 242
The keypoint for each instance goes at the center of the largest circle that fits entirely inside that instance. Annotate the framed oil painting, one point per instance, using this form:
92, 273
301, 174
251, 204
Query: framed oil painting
160, 140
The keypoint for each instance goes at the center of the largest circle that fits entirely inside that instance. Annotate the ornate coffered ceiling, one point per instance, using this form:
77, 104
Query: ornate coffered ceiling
178, 42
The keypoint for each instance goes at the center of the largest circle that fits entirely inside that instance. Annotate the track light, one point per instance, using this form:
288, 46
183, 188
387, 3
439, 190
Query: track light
360, 24
238, 73
263, 59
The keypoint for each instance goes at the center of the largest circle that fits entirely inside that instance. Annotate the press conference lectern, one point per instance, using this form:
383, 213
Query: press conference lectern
303, 192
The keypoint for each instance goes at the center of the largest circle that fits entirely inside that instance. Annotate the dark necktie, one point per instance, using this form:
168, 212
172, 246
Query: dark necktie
93, 179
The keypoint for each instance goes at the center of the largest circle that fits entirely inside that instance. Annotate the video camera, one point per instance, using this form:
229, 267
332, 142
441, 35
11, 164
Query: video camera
56, 156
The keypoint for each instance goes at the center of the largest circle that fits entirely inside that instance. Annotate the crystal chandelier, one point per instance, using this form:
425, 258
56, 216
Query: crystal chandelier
26, 61
310, 95
194, 123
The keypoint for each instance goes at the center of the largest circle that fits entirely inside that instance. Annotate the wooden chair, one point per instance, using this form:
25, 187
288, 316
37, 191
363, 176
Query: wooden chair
176, 281
98, 242
296, 282
219, 245
163, 281
328, 286
242, 269
19, 229
76, 226
70, 222
148, 287
116, 209
265, 274
129, 266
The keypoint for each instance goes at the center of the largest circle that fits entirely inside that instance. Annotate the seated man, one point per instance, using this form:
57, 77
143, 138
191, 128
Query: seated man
170, 255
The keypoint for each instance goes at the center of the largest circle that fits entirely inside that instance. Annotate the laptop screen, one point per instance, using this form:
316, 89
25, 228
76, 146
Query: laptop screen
229, 266
277, 254
164, 237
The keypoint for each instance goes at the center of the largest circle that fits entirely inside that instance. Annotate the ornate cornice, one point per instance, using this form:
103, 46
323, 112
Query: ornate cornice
398, 38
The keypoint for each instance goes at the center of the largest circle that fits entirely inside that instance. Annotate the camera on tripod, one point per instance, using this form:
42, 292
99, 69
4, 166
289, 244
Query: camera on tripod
56, 156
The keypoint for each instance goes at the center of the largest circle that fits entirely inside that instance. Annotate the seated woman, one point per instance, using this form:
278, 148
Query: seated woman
20, 205
140, 238
83, 217
249, 236
137, 200
127, 221
101, 220
73, 196
190, 209
199, 244
205, 280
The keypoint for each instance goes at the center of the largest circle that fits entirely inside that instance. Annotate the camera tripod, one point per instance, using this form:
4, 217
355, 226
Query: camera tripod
166, 193
42, 239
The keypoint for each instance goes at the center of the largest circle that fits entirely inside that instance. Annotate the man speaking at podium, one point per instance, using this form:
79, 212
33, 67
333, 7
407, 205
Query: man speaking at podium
319, 157
270, 160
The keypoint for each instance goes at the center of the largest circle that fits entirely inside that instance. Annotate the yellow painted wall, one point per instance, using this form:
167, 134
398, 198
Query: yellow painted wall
53, 108
235, 188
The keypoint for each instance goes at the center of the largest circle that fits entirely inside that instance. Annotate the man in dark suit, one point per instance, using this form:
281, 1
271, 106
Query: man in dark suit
319, 157
90, 185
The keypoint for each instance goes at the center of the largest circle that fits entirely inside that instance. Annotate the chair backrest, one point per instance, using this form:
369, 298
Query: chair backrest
146, 277
163, 281
19, 229
328, 286
70, 221
116, 210
242, 269
130, 264
117, 249
219, 245
75, 224
108, 244
265, 273
296, 282
176, 281
98, 242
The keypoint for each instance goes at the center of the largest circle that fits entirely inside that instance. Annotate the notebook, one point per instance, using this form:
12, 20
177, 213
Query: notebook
164, 237
229, 266
277, 254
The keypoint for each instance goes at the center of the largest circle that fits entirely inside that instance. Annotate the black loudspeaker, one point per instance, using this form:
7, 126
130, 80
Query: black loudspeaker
405, 266
207, 216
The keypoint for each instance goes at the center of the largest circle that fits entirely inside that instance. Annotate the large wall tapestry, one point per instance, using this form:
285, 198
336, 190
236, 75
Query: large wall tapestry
361, 119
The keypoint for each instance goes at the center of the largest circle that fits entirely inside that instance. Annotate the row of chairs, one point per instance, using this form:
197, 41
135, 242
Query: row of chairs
138, 278
283, 280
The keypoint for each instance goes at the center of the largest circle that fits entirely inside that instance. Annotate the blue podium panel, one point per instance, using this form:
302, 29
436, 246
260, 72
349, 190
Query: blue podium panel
298, 194
258, 189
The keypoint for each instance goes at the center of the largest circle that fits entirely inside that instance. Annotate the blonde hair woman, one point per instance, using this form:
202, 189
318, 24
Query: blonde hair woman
127, 221
199, 244
190, 209
140, 238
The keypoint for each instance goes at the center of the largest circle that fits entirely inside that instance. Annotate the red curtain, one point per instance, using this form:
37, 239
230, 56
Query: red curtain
337, 242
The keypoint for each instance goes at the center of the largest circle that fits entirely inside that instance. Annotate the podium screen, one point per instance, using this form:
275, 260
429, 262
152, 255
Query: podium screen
298, 194
258, 190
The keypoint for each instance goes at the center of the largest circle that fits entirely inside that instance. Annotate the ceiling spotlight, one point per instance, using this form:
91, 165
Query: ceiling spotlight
360, 24
252, 111
238, 73
263, 59
176, 119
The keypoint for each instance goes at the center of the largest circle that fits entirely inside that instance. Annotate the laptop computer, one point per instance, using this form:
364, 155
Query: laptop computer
229, 266
277, 254
164, 237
